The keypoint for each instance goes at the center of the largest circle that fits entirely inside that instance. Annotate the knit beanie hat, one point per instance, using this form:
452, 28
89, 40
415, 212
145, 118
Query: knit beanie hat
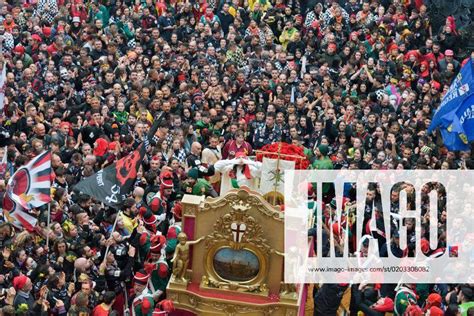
323, 149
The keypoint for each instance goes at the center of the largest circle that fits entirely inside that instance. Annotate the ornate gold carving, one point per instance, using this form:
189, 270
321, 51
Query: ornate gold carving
209, 305
234, 286
193, 300
190, 210
288, 291
252, 199
253, 231
255, 285
191, 204
172, 296
239, 231
177, 284
238, 222
228, 309
290, 312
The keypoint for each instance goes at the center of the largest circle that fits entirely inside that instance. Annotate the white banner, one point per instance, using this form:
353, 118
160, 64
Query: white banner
273, 176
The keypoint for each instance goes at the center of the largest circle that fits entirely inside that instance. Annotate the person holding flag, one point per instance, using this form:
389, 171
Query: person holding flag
112, 184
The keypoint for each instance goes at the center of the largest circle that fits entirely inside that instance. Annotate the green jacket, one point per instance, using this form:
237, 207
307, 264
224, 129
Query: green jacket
26, 59
464, 307
120, 117
102, 14
125, 29
144, 305
323, 164
199, 127
156, 282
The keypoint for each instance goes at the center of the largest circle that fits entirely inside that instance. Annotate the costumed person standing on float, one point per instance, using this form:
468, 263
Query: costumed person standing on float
238, 172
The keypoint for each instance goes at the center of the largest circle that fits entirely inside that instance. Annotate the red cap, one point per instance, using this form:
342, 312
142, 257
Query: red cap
436, 84
19, 49
436, 311
36, 37
157, 242
166, 178
155, 204
310, 190
392, 46
141, 277
449, 52
178, 210
143, 238
332, 46
146, 306
162, 270
181, 77
147, 215
172, 233
167, 305
412, 53
19, 282
46, 31
434, 299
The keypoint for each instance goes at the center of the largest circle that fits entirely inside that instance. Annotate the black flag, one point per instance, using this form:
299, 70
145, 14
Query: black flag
112, 184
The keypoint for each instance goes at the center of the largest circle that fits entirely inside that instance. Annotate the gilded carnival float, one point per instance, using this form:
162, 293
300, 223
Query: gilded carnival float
230, 256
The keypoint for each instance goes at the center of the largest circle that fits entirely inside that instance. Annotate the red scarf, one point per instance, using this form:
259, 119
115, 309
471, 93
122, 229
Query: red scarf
209, 17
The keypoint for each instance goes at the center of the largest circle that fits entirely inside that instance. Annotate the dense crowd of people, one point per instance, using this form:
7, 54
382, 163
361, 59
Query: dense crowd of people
354, 83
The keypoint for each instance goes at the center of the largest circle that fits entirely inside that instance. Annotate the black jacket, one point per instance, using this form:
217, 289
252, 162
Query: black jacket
327, 299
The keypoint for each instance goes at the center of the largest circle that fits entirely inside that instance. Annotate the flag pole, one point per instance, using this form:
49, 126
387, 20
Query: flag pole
48, 222
113, 229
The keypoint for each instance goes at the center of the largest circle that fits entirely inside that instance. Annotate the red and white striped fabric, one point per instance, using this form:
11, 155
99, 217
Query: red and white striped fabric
28, 188
17, 216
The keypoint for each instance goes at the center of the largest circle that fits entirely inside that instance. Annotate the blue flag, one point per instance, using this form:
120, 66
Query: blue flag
453, 141
461, 88
464, 120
